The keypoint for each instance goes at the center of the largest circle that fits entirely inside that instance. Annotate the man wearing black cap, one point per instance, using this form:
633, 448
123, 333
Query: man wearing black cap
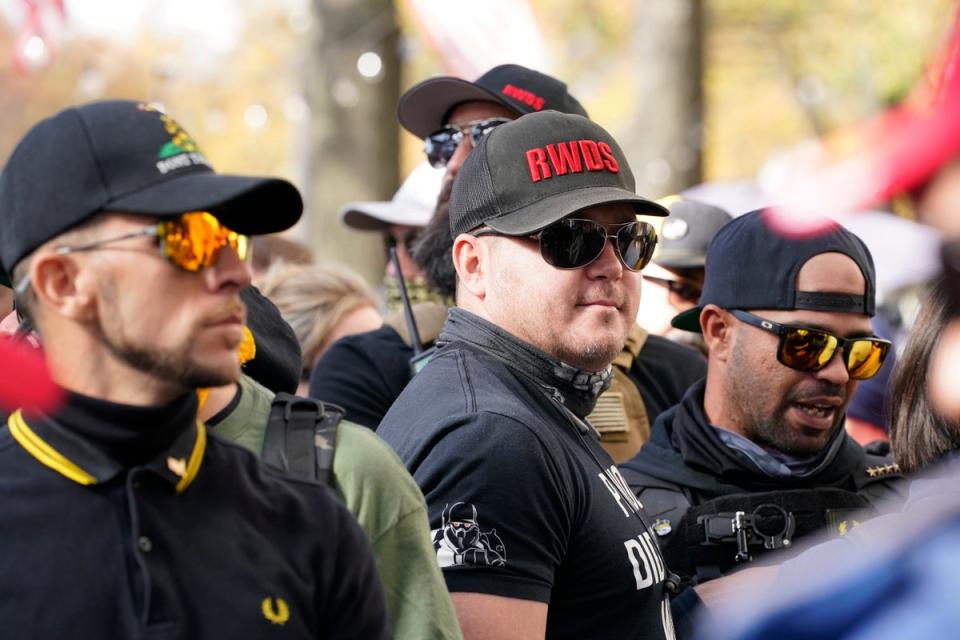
452, 115
534, 528
755, 455
123, 517
366, 372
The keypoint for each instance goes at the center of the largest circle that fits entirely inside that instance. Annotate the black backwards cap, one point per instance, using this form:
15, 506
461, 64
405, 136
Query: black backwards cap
277, 360
424, 107
126, 157
751, 266
540, 168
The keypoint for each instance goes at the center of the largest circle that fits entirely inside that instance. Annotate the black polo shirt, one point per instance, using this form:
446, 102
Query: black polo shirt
523, 502
133, 522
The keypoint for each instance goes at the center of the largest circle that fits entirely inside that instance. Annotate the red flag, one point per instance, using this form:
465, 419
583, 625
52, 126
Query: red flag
874, 161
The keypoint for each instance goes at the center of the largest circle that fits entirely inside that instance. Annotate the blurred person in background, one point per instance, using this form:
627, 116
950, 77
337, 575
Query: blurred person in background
273, 248
364, 472
400, 221
787, 323
322, 303
126, 252
678, 267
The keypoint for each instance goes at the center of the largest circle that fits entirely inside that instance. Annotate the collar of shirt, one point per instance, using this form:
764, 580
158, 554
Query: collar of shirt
91, 441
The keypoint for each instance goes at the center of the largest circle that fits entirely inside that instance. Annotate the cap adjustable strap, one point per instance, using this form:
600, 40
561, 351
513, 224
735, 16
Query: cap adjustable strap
835, 302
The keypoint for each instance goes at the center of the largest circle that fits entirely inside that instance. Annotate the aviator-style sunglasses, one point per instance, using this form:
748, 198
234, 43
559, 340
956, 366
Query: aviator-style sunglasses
191, 241
807, 349
442, 143
573, 243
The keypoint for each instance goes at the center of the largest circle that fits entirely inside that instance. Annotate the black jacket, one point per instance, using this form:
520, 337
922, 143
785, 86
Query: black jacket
685, 471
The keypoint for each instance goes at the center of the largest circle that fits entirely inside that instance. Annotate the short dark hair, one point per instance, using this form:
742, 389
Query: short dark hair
24, 302
919, 436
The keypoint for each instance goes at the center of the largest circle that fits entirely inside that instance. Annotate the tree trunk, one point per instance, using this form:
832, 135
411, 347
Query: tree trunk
353, 134
665, 141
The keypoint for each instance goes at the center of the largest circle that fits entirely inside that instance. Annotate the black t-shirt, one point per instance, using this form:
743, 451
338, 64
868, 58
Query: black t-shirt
523, 503
363, 373
133, 522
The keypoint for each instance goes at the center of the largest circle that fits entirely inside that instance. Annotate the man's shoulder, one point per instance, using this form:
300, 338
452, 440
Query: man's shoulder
370, 476
373, 342
459, 379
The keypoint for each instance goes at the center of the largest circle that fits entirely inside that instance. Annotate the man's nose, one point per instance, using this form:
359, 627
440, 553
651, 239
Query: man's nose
229, 271
836, 370
607, 264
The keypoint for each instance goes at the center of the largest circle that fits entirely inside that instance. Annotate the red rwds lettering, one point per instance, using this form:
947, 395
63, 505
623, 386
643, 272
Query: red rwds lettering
537, 162
564, 157
609, 160
591, 155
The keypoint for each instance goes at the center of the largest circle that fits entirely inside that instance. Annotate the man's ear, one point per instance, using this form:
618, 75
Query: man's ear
62, 287
470, 256
716, 324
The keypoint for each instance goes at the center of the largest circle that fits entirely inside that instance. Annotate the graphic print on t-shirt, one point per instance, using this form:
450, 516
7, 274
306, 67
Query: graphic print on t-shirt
460, 541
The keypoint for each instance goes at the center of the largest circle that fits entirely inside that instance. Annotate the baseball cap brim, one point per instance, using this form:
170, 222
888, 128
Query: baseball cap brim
536, 216
377, 216
422, 108
680, 260
246, 205
688, 320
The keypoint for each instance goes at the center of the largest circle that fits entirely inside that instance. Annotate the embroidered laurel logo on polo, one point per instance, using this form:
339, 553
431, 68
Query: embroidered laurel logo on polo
276, 610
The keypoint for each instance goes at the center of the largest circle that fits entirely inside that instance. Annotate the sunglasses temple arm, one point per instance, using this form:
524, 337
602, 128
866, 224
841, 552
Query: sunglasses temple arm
149, 231
405, 299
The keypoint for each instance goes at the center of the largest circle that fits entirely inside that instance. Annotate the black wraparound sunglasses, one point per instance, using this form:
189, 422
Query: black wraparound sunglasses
573, 243
442, 143
808, 349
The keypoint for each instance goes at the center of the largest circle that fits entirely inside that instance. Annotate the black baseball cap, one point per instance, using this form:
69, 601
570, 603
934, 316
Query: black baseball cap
751, 266
128, 157
424, 107
529, 173
687, 233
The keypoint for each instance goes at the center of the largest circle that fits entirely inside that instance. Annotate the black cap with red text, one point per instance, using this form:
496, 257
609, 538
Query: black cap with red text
752, 266
129, 157
529, 173
425, 107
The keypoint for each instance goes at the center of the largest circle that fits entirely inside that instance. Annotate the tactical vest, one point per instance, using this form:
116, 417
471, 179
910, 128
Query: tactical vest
714, 537
621, 415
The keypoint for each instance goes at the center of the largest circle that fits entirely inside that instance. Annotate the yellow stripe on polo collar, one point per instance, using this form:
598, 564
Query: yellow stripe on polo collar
44, 453
196, 457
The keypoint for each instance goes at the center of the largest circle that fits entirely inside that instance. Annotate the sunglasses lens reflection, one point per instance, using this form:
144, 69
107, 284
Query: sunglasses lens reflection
193, 241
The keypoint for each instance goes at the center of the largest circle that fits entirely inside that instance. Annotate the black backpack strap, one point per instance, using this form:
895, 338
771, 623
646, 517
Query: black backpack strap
301, 437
